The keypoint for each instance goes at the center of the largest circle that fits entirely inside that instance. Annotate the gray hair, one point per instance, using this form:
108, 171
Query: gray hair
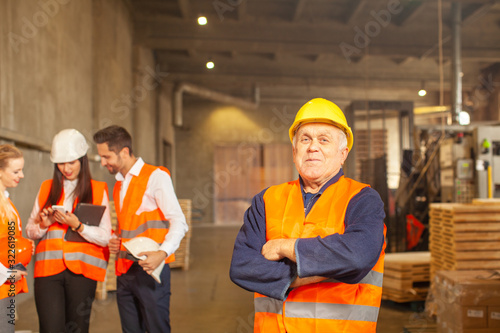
342, 137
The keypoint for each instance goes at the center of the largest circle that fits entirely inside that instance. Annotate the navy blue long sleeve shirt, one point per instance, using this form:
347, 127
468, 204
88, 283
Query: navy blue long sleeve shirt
346, 257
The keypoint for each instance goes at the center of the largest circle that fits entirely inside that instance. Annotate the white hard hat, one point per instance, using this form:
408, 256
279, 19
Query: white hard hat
68, 145
143, 244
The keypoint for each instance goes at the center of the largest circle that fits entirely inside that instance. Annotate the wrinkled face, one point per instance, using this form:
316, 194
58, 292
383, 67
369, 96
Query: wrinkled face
12, 173
109, 159
70, 170
316, 153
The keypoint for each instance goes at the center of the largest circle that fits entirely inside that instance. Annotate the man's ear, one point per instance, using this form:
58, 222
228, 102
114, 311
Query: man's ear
125, 152
345, 153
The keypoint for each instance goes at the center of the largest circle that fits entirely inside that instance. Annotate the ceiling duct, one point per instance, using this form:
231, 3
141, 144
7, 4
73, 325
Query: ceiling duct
182, 88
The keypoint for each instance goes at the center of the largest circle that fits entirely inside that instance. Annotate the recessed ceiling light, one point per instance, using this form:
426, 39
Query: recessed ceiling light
210, 64
202, 20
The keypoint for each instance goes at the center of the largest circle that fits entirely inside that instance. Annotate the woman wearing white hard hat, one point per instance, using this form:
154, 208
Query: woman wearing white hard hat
14, 249
66, 272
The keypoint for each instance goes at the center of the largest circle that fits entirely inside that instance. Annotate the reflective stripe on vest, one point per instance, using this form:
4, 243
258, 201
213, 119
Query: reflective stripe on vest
53, 234
143, 227
88, 259
54, 254
151, 224
331, 311
330, 305
49, 255
373, 277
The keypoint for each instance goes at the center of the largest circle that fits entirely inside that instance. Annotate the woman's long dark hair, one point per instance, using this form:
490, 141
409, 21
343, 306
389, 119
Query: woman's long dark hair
83, 190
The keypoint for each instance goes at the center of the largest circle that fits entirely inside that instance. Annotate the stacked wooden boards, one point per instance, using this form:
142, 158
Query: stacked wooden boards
464, 236
182, 253
406, 276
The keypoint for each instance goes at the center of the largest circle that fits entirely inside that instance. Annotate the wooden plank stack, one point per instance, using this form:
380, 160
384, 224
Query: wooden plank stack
406, 276
464, 236
182, 253
109, 283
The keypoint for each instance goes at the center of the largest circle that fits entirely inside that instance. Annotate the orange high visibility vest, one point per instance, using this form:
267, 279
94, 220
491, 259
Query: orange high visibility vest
330, 305
152, 224
21, 286
54, 254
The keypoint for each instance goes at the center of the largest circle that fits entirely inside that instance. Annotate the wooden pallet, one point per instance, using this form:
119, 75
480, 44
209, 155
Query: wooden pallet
182, 253
465, 236
406, 276
420, 328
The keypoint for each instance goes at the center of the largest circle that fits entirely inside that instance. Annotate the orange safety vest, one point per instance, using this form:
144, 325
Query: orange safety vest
21, 286
330, 305
132, 223
54, 254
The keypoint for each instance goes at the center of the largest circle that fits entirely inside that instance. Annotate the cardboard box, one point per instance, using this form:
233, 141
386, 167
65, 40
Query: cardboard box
468, 288
494, 317
467, 301
474, 316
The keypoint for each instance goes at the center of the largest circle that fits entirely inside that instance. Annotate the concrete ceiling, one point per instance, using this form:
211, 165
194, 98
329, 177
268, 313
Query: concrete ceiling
297, 49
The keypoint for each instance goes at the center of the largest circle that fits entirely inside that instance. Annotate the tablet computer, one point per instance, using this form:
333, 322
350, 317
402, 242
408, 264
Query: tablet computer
88, 214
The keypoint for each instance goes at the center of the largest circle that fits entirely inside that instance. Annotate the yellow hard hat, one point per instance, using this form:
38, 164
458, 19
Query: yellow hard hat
320, 110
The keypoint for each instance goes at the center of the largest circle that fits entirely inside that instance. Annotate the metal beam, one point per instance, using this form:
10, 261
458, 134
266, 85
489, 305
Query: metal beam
299, 9
184, 8
353, 9
410, 12
297, 48
473, 12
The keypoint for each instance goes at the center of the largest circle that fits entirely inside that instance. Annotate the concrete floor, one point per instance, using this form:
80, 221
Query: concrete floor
205, 300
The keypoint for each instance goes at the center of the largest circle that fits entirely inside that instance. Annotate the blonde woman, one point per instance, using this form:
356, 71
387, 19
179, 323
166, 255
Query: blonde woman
14, 248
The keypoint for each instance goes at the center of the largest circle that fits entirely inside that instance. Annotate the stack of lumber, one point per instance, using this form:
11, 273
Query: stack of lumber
406, 276
464, 236
182, 253
423, 327
109, 283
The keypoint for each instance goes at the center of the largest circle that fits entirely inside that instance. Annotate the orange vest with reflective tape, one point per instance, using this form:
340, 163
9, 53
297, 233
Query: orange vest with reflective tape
54, 254
330, 305
20, 286
133, 222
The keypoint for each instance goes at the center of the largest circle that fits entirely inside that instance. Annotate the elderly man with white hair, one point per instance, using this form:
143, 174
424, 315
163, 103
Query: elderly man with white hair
312, 249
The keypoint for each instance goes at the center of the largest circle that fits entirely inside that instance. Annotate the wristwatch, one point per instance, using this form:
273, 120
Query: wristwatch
77, 228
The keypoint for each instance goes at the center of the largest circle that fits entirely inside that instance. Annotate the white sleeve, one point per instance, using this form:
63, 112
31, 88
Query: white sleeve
3, 274
99, 234
166, 200
33, 229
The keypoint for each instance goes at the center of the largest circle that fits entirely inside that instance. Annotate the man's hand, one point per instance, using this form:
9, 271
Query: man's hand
114, 245
18, 275
307, 280
153, 260
277, 249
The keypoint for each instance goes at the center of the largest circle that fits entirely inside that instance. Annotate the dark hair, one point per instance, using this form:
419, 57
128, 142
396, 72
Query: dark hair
83, 190
116, 137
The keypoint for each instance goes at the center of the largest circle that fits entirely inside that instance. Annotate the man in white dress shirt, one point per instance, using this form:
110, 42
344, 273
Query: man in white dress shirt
146, 206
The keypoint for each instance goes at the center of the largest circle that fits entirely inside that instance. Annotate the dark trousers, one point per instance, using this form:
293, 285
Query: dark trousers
64, 302
7, 312
143, 303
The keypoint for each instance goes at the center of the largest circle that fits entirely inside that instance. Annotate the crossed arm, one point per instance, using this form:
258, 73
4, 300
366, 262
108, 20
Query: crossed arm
272, 267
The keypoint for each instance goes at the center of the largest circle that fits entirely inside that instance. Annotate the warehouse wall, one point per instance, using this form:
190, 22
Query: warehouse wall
208, 123
71, 63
